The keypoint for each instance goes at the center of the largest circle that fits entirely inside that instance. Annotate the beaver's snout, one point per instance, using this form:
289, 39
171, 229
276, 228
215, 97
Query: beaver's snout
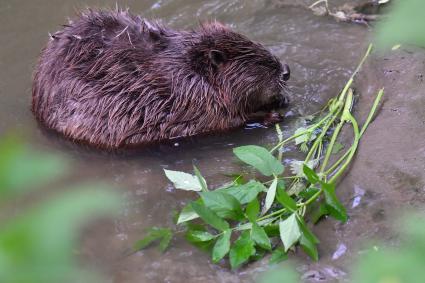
286, 73
284, 100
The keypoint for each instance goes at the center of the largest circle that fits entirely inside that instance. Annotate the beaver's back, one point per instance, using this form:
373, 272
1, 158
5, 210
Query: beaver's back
112, 79
92, 76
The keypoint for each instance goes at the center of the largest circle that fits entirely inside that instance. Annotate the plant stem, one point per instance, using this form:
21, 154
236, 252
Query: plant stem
309, 129
365, 125
320, 138
277, 212
347, 107
372, 111
331, 145
353, 149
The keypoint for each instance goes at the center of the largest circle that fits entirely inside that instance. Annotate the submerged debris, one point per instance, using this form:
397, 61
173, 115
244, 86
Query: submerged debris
363, 13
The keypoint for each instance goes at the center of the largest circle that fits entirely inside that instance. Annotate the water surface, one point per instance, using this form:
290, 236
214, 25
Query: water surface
320, 52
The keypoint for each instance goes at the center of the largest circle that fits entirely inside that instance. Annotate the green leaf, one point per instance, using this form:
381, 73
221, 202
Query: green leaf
166, 239
308, 192
198, 236
259, 254
307, 232
284, 199
188, 213
155, 234
252, 210
210, 217
183, 181
289, 231
285, 273
272, 230
242, 250
247, 192
225, 205
23, 170
308, 240
201, 179
145, 242
260, 158
38, 244
259, 236
271, 193
278, 255
296, 188
335, 208
239, 179
404, 25
302, 138
296, 166
310, 174
308, 136
222, 246
337, 147
318, 213
309, 247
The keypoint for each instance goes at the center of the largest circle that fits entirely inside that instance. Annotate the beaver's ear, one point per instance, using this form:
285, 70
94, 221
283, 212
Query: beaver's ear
217, 58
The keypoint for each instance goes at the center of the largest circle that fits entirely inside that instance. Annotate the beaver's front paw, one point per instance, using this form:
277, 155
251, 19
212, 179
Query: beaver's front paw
272, 118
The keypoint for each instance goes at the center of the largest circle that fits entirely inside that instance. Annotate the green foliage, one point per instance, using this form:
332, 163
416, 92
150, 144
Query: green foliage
259, 236
163, 235
210, 217
242, 249
224, 204
270, 196
278, 255
222, 246
246, 193
185, 181
199, 236
22, 169
188, 213
282, 200
337, 148
405, 24
38, 245
290, 232
252, 210
259, 158
334, 206
280, 274
403, 264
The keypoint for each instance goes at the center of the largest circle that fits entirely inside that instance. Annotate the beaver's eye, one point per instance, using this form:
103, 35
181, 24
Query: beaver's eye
286, 73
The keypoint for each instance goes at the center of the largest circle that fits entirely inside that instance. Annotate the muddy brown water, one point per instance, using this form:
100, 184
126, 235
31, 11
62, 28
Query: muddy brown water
320, 52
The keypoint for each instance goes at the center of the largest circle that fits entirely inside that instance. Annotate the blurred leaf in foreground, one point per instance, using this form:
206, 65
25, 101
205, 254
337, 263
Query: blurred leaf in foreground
279, 274
405, 24
403, 264
38, 245
22, 169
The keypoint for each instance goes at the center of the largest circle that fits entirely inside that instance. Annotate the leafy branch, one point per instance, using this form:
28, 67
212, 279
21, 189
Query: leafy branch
258, 213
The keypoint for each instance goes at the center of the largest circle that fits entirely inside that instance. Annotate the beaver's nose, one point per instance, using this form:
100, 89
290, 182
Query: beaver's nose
283, 100
286, 73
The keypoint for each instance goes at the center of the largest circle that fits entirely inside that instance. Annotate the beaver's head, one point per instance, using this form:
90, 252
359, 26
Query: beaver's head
242, 71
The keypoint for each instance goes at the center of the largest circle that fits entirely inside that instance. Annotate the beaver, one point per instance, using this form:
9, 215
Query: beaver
112, 79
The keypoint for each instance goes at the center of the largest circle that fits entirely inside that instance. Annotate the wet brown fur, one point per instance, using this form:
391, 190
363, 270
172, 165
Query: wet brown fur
112, 79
